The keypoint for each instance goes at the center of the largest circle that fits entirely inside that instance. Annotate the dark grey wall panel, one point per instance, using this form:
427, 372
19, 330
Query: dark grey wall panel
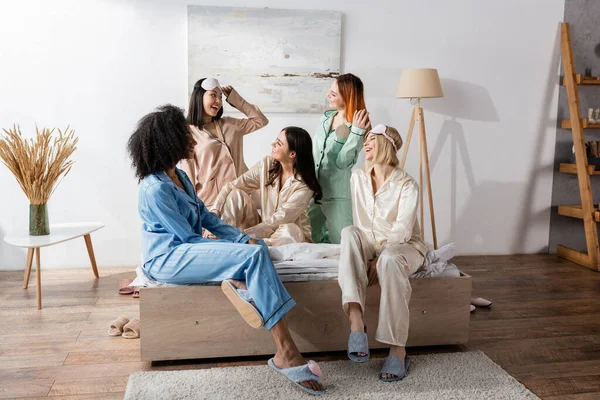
583, 17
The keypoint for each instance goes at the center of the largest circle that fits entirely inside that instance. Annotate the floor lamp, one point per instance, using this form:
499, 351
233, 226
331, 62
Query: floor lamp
418, 84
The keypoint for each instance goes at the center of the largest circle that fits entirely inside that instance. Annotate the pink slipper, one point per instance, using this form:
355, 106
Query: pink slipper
481, 302
124, 287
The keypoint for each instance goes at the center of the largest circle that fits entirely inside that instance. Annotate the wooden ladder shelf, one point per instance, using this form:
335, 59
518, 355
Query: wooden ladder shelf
586, 210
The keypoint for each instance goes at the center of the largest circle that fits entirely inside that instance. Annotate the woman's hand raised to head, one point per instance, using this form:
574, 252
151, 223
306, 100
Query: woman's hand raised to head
227, 90
361, 119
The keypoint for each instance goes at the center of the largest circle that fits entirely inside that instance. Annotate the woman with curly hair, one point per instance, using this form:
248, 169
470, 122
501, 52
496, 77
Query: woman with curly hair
286, 181
338, 139
174, 250
218, 156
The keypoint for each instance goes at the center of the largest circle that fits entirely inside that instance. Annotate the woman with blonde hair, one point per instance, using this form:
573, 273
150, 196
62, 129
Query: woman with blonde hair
384, 245
336, 143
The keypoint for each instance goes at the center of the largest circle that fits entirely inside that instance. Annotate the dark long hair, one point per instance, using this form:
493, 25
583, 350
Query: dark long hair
299, 141
196, 107
160, 140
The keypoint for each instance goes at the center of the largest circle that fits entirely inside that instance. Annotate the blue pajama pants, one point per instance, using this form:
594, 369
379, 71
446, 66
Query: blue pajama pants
216, 261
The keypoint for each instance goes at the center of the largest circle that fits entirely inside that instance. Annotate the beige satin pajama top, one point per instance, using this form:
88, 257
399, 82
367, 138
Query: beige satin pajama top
390, 215
279, 206
219, 159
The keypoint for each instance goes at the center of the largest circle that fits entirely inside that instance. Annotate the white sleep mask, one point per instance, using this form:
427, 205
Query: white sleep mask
210, 84
380, 130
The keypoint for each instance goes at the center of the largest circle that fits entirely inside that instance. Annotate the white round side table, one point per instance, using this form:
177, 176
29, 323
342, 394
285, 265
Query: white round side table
58, 233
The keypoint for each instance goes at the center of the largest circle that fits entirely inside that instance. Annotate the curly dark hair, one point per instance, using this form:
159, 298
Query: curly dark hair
299, 141
196, 107
160, 140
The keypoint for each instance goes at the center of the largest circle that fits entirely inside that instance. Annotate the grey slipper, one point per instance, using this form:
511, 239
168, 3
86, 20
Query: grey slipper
239, 300
394, 366
358, 342
245, 294
307, 372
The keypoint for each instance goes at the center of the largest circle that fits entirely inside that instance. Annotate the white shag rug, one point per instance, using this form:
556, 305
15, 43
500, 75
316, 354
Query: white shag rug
469, 375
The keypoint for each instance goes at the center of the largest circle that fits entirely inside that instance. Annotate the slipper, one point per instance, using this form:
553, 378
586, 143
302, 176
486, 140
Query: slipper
132, 329
124, 287
246, 310
136, 292
472, 308
116, 327
307, 372
394, 366
481, 302
245, 294
358, 342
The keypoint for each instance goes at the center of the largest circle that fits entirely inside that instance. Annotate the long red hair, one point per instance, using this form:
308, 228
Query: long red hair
352, 92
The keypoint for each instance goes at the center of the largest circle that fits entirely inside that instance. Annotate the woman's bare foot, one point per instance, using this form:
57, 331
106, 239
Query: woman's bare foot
398, 351
239, 285
287, 354
290, 358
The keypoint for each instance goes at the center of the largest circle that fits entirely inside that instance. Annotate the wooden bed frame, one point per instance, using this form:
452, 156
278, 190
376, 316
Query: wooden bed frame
190, 322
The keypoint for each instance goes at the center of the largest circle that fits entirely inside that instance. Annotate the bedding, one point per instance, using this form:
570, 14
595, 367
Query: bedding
299, 262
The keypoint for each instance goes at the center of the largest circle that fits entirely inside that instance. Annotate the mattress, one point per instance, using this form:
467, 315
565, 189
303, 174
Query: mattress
304, 262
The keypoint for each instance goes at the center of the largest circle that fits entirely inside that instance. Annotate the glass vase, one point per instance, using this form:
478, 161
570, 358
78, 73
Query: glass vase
38, 220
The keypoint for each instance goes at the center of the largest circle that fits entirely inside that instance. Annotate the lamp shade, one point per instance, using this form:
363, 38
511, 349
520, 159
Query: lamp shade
419, 83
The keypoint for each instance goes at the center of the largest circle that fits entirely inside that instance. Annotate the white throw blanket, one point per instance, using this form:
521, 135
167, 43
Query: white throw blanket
304, 252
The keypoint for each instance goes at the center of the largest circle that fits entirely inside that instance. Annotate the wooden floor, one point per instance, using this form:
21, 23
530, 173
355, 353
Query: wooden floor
543, 328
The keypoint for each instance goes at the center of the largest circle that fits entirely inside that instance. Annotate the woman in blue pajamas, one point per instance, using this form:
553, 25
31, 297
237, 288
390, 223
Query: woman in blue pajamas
174, 250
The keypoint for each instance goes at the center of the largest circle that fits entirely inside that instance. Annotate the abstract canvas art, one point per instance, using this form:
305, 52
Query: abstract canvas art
281, 60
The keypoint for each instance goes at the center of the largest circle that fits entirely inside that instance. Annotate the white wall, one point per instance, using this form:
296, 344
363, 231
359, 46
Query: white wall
101, 65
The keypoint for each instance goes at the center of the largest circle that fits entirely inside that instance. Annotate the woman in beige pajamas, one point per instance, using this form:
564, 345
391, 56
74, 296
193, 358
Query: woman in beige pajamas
286, 182
384, 245
218, 156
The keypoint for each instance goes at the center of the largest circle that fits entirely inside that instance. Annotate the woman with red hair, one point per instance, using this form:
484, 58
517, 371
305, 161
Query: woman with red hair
336, 144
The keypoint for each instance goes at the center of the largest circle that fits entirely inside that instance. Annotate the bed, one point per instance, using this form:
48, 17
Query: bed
197, 321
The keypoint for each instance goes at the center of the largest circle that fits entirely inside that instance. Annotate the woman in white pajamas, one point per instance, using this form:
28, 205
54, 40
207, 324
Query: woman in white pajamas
384, 245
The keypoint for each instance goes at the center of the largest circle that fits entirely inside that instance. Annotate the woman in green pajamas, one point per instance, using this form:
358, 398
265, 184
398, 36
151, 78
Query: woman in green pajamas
336, 144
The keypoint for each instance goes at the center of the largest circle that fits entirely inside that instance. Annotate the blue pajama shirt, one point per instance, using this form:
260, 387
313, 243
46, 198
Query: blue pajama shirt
174, 250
